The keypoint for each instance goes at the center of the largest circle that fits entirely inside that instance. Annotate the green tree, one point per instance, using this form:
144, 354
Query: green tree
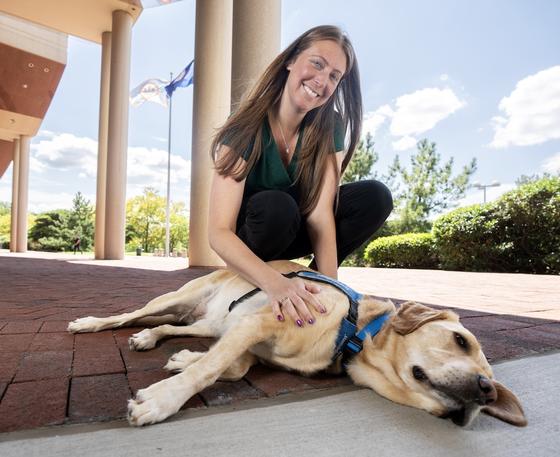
80, 221
50, 231
178, 227
5, 208
5, 218
526, 179
359, 168
363, 160
145, 216
427, 188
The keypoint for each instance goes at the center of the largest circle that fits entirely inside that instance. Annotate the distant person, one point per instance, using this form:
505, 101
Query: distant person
78, 245
278, 163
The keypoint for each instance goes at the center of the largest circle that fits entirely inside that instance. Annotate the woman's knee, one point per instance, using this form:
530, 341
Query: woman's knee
271, 223
365, 196
381, 194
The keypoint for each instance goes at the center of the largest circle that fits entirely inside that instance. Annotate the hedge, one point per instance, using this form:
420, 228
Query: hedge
519, 232
411, 250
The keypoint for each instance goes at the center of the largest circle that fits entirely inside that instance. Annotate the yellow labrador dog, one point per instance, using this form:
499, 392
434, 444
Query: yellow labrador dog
419, 356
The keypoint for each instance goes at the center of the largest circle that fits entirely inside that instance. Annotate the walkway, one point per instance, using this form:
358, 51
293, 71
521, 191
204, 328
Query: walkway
49, 377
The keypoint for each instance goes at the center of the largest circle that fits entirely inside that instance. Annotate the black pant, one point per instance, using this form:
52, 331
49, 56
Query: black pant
272, 226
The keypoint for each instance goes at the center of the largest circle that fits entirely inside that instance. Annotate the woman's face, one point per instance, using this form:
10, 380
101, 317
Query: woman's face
314, 75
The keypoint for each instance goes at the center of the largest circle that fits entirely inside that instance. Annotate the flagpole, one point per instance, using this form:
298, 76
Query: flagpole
168, 173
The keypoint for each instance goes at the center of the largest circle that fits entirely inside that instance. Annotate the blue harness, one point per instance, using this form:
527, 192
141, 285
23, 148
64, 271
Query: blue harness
349, 341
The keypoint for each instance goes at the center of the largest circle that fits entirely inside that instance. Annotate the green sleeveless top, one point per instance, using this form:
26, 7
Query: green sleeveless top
269, 172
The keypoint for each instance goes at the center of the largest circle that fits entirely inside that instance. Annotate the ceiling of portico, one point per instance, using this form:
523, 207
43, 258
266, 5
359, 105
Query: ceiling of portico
86, 19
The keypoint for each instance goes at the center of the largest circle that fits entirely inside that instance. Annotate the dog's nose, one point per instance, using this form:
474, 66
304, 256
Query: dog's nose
487, 389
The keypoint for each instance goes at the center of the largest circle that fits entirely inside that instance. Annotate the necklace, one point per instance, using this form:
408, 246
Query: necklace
284, 138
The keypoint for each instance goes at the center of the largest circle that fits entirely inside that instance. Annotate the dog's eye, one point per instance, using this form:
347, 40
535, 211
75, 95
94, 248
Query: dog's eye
461, 341
418, 373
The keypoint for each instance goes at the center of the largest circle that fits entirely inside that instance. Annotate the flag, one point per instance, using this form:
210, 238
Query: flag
151, 90
154, 3
183, 79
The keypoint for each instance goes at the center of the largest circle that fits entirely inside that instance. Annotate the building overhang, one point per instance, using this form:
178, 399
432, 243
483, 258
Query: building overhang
86, 19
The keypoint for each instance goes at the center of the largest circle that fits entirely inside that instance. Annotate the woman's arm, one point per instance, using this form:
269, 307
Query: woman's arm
285, 295
321, 224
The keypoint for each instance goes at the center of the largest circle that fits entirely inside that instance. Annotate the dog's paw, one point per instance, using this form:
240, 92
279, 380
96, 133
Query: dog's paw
181, 360
85, 324
154, 404
142, 341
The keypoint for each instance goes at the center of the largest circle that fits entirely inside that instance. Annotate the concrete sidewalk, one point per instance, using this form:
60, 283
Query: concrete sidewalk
357, 422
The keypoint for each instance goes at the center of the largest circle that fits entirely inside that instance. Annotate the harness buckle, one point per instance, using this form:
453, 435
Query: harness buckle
354, 344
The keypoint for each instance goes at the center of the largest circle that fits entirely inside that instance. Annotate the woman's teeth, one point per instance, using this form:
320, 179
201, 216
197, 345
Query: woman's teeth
310, 92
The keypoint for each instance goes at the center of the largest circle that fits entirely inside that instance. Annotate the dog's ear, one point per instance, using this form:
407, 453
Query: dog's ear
411, 316
507, 407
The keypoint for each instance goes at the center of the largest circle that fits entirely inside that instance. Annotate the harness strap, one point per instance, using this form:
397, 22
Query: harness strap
349, 341
255, 291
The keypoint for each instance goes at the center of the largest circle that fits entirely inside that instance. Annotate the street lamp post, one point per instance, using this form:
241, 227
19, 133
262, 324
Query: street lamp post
477, 185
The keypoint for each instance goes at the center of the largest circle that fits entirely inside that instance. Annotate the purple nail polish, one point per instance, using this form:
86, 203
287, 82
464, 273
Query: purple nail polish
311, 321
280, 317
299, 322
323, 309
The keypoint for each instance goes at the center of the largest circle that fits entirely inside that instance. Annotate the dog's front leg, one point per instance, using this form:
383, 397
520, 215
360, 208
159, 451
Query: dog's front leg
181, 360
166, 397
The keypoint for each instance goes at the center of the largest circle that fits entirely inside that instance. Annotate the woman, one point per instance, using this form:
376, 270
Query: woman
278, 161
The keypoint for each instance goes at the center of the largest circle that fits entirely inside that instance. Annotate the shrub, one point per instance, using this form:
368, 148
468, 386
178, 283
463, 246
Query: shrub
357, 258
467, 238
520, 232
410, 250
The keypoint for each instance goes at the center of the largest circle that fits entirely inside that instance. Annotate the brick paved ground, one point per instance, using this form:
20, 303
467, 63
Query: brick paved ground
50, 377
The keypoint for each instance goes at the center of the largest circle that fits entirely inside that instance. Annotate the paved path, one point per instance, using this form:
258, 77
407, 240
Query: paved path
357, 423
536, 296
49, 377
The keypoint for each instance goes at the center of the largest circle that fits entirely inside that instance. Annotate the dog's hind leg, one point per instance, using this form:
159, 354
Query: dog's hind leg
182, 359
166, 397
180, 303
239, 368
147, 338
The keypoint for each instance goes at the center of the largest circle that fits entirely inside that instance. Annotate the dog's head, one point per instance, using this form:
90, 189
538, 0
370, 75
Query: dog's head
437, 365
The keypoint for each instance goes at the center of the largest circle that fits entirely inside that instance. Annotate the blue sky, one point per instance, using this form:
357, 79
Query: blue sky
479, 78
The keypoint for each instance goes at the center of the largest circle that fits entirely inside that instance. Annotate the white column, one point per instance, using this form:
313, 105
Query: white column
211, 107
15, 189
23, 190
117, 139
255, 42
102, 146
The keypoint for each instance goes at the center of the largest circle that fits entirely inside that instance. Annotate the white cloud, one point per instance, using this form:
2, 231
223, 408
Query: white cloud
52, 153
531, 113
374, 119
552, 164
414, 114
46, 201
65, 152
150, 165
406, 142
420, 111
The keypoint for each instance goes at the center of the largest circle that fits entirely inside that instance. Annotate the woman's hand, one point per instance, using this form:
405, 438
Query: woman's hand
291, 297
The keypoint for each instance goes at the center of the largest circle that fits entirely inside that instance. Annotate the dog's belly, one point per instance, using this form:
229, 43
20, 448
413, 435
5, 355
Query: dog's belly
307, 356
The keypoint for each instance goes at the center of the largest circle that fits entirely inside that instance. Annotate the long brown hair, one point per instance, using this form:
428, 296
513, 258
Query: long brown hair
243, 130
